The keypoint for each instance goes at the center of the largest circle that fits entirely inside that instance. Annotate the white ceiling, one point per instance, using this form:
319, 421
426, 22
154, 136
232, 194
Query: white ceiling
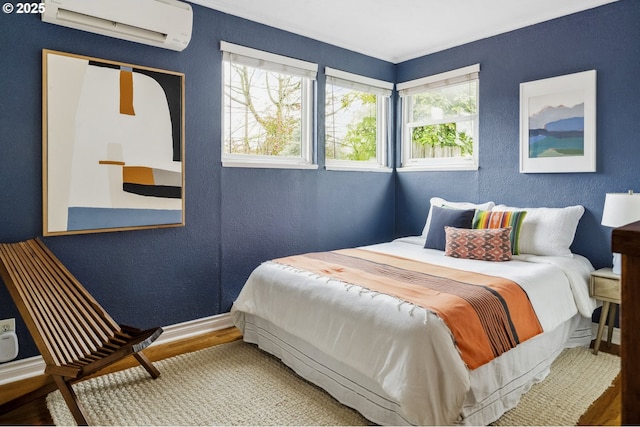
398, 30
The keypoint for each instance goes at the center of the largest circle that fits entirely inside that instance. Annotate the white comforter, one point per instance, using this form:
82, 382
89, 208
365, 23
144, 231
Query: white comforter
406, 350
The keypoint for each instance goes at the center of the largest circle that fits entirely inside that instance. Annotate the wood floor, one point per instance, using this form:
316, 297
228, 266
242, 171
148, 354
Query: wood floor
605, 411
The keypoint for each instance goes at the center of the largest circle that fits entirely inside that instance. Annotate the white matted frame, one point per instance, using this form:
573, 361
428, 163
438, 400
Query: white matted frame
113, 145
558, 124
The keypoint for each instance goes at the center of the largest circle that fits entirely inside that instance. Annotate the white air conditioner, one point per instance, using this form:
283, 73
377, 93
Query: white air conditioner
162, 23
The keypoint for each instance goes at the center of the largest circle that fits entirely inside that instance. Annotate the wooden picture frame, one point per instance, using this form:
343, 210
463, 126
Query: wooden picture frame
113, 145
558, 124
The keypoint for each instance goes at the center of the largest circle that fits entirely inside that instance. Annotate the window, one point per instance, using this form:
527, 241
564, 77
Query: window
440, 121
356, 114
268, 109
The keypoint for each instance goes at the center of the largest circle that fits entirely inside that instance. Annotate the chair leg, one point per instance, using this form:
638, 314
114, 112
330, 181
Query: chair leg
146, 364
71, 400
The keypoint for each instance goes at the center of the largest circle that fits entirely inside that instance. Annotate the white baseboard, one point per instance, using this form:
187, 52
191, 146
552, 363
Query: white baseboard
34, 366
615, 338
194, 327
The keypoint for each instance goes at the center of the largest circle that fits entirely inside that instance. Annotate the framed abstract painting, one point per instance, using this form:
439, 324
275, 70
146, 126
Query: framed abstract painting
558, 124
113, 145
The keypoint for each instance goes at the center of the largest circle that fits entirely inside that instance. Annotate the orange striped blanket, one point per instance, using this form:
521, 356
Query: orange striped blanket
487, 315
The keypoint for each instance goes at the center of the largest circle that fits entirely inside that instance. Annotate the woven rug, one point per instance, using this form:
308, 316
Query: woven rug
237, 384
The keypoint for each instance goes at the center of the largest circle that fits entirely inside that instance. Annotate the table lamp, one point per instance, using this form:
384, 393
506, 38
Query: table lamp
620, 209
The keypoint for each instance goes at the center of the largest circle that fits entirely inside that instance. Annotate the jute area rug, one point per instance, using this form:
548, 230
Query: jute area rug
237, 384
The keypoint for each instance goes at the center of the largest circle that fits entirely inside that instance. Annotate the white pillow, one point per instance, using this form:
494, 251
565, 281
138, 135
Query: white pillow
440, 202
547, 231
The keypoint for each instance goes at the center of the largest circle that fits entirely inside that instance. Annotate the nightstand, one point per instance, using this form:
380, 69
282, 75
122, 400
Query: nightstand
605, 286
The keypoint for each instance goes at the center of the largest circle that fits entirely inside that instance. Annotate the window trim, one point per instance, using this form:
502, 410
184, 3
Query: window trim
267, 60
383, 91
242, 55
420, 85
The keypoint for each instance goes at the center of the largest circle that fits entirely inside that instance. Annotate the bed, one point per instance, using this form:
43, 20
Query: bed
400, 361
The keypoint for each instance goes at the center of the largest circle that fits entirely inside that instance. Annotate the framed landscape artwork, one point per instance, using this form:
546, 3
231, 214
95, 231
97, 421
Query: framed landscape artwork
113, 145
558, 124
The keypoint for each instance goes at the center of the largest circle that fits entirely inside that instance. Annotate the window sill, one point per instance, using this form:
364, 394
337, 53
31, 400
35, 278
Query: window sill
438, 168
266, 165
358, 168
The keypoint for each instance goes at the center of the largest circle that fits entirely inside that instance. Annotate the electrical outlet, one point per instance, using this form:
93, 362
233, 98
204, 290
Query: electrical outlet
7, 325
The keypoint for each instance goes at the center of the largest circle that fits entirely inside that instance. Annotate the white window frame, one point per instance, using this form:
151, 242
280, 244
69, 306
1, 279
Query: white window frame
382, 90
272, 62
407, 89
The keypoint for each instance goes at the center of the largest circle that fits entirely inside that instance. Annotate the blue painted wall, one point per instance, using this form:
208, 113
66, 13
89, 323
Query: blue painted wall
606, 39
235, 218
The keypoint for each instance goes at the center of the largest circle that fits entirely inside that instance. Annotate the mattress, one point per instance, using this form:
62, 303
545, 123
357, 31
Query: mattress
396, 362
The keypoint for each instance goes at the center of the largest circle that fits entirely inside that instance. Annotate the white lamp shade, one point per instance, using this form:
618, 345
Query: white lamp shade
621, 209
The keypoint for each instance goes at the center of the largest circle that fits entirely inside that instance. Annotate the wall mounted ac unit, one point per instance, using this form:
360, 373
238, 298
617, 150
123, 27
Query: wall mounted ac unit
162, 23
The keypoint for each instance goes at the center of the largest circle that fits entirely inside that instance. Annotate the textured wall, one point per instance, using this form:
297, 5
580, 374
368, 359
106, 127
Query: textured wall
235, 218
604, 39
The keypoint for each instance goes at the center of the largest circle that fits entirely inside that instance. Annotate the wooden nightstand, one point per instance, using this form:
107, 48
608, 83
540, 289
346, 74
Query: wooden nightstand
605, 286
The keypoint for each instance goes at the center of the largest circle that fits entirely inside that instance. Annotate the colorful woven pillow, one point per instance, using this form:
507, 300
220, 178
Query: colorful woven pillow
502, 219
486, 244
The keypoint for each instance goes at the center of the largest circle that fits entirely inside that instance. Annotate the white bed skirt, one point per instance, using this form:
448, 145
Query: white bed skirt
490, 395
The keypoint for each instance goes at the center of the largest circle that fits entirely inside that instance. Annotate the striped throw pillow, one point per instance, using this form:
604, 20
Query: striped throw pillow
502, 219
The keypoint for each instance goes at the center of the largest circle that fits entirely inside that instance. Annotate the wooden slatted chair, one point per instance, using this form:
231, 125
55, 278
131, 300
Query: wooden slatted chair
75, 336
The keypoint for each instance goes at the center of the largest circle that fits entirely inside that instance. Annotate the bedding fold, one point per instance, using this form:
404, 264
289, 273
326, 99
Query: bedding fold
487, 315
